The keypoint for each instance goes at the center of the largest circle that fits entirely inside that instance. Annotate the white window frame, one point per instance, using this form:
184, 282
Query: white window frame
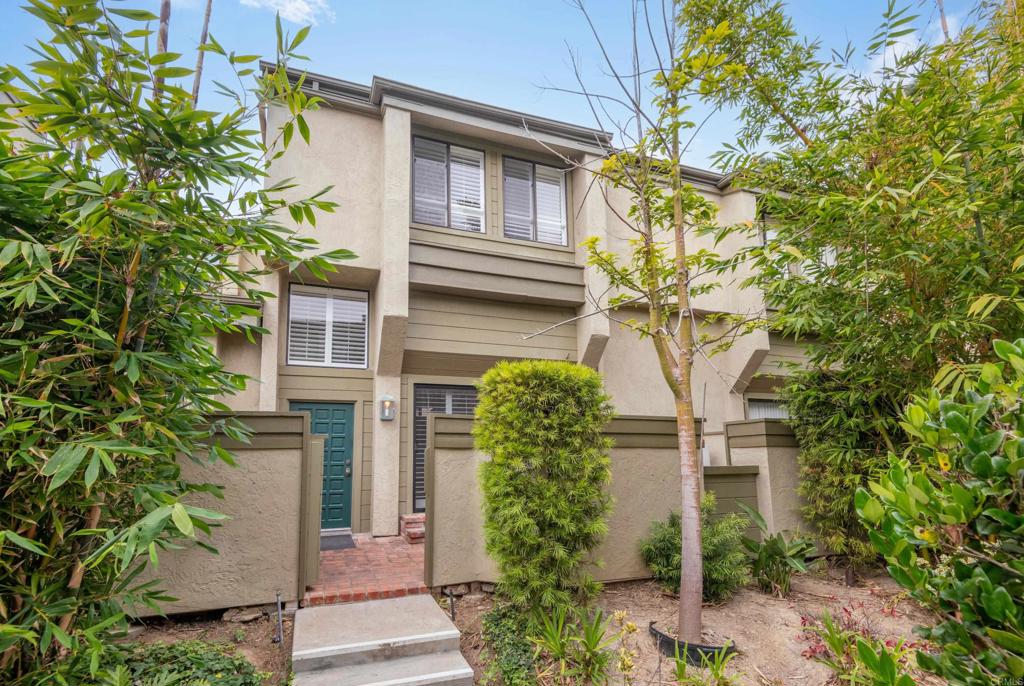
328, 293
448, 185
533, 190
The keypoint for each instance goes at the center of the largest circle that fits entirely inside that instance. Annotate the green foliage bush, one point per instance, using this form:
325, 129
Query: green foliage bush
510, 654
891, 237
726, 565
545, 486
835, 418
949, 519
192, 663
114, 248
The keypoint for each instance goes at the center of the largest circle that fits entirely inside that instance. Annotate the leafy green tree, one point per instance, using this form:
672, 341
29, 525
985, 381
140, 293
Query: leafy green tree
891, 219
655, 284
949, 519
125, 212
545, 486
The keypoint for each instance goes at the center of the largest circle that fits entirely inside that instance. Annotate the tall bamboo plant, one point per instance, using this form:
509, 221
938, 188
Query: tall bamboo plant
892, 207
125, 213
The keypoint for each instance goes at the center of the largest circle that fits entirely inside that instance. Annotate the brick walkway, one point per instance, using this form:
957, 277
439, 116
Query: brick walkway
376, 568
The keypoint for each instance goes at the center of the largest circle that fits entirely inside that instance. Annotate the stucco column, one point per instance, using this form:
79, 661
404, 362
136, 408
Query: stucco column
592, 331
391, 315
386, 441
269, 342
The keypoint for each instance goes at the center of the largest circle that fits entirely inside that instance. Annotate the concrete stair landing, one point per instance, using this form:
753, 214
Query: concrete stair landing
395, 642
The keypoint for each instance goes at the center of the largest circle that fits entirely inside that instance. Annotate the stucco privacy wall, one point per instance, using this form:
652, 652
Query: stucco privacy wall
645, 486
270, 543
771, 446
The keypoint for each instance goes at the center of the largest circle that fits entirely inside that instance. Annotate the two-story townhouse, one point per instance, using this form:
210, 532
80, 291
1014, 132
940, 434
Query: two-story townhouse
467, 222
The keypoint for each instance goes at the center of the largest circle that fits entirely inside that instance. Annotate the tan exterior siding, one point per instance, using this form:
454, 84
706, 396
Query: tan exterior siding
458, 327
783, 353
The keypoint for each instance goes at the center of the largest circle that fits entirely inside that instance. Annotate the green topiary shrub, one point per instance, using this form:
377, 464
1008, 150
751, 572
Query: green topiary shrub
949, 520
191, 662
726, 565
545, 486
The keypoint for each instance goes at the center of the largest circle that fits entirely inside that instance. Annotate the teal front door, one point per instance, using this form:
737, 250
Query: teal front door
335, 421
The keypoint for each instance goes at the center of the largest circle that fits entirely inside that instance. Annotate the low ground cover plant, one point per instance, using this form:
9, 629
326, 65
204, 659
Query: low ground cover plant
545, 486
776, 556
855, 655
510, 654
726, 565
189, 662
947, 517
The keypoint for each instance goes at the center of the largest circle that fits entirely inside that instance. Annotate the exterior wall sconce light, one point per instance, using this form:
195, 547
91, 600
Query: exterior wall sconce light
388, 408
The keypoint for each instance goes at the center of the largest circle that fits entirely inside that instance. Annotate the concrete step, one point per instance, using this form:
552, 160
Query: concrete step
374, 631
439, 669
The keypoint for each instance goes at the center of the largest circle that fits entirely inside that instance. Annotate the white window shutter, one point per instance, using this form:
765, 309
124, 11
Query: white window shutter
466, 172
307, 328
430, 182
327, 327
518, 198
550, 205
348, 331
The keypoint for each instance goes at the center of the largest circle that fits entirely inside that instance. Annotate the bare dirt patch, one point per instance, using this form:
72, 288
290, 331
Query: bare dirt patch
253, 640
768, 632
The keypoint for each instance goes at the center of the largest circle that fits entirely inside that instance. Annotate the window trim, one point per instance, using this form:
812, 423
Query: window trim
327, 291
533, 189
448, 185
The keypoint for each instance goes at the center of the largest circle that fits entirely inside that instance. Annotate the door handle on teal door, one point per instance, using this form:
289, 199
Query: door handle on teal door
348, 471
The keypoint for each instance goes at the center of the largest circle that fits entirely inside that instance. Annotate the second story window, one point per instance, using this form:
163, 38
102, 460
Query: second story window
534, 200
447, 185
327, 327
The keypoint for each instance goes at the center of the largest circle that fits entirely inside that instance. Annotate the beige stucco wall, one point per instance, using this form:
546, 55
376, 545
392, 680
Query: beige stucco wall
771, 447
776, 485
258, 546
633, 378
345, 152
645, 486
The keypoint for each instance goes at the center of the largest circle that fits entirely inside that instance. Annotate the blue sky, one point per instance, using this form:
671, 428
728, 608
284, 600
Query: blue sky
497, 51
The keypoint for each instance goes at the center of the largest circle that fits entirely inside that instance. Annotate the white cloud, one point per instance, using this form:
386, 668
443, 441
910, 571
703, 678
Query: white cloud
297, 11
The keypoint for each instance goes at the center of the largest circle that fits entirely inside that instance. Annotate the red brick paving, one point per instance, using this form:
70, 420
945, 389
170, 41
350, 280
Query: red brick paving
386, 567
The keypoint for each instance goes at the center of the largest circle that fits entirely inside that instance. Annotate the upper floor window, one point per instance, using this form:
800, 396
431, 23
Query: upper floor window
327, 327
447, 185
534, 201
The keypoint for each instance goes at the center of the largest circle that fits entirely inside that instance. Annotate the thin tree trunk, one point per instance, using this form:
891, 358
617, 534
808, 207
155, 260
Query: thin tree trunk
691, 579
202, 53
161, 41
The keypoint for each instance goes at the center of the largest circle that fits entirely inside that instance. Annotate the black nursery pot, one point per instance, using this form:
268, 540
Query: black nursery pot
670, 647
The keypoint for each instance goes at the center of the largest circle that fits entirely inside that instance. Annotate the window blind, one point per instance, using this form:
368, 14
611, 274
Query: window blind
766, 408
518, 199
534, 202
550, 205
430, 182
327, 327
448, 185
467, 189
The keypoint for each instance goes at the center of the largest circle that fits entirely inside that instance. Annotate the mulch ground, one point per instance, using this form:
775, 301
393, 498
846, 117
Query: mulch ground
769, 633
